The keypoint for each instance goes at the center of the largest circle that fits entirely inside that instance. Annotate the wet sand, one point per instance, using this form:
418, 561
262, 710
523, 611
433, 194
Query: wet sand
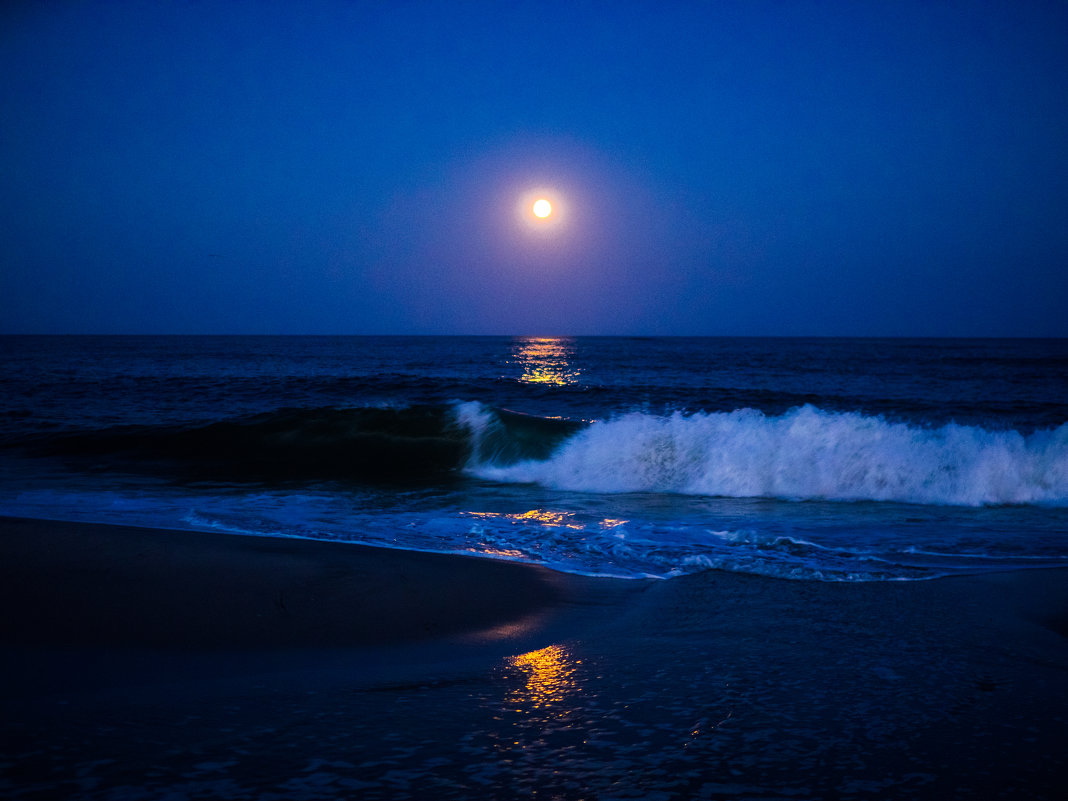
78, 584
142, 663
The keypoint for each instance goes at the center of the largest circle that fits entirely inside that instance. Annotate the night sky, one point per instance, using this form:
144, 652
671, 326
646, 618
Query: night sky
739, 168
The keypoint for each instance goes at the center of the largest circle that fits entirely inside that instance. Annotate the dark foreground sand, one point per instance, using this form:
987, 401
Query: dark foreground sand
76, 584
150, 664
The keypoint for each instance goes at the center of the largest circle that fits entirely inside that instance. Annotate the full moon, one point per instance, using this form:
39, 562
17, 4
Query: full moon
544, 211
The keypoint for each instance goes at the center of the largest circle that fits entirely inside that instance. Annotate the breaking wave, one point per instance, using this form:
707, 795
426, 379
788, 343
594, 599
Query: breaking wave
805, 454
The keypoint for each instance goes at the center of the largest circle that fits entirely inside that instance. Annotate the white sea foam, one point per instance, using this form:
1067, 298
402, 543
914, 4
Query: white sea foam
806, 453
479, 422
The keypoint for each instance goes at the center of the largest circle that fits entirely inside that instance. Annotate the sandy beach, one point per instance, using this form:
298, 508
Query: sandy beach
144, 664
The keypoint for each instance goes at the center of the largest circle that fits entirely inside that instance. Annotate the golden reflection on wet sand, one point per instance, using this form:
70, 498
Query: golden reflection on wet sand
550, 679
546, 360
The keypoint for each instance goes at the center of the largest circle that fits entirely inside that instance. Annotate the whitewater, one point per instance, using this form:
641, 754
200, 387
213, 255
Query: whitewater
805, 454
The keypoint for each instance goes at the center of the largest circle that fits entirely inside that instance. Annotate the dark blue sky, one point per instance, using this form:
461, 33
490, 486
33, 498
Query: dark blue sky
724, 168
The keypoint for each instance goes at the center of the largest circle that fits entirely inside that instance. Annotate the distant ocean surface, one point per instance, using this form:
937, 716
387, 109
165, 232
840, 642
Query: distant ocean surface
815, 459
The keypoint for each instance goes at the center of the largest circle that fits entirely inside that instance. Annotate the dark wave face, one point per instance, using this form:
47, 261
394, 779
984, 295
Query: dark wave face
416, 443
290, 444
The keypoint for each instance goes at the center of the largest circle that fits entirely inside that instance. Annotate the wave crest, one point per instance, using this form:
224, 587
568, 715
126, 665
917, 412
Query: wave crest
806, 453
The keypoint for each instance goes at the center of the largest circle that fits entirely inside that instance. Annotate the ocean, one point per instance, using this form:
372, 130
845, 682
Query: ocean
812, 459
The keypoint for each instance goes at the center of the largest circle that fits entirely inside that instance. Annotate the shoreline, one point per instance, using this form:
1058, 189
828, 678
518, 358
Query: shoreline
74, 581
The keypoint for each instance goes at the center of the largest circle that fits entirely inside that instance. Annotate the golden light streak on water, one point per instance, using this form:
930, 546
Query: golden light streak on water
546, 360
497, 553
546, 517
